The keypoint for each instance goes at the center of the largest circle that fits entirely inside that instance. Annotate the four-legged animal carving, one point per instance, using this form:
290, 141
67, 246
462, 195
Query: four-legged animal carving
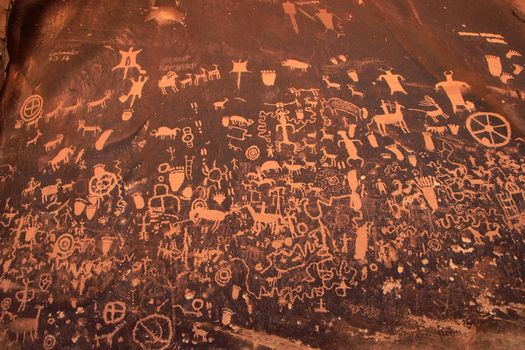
74, 108
101, 101
396, 118
168, 81
82, 126
26, 325
187, 82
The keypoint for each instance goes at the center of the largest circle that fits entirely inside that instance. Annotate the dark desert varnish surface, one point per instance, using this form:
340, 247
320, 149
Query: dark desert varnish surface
262, 174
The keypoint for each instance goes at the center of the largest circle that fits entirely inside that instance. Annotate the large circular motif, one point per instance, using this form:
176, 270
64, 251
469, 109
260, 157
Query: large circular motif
198, 204
102, 185
435, 245
154, 332
223, 276
32, 108
5, 304
489, 129
114, 312
64, 246
253, 152
50, 342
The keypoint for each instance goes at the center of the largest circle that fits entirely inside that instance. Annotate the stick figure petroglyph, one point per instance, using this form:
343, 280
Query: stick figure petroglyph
128, 60
393, 81
454, 90
135, 91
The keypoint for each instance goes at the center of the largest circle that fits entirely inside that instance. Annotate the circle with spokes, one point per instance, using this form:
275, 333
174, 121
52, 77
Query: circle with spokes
490, 129
31, 108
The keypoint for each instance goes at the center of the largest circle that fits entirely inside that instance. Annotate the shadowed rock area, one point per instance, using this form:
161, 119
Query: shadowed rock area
263, 174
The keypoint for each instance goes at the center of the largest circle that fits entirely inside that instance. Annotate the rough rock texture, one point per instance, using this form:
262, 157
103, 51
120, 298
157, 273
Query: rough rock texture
518, 6
5, 8
260, 174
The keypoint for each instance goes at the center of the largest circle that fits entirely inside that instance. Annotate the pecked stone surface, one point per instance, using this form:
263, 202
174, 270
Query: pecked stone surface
263, 175
518, 6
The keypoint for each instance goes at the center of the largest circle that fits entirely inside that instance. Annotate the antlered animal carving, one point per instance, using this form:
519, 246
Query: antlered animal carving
101, 101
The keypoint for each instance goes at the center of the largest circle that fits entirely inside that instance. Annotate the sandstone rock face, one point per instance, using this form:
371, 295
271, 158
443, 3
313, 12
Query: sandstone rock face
518, 6
263, 174
5, 7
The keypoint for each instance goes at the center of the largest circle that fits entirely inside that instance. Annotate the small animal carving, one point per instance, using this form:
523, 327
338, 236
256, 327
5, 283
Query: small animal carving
199, 334
101, 101
312, 166
214, 73
201, 213
62, 157
293, 169
34, 140
236, 120
329, 158
168, 81
296, 65
220, 104
310, 145
200, 77
50, 191
82, 126
269, 165
74, 108
262, 219
439, 130
326, 135
296, 186
187, 82
164, 132
311, 102
433, 114
51, 145
330, 84
337, 105
56, 112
